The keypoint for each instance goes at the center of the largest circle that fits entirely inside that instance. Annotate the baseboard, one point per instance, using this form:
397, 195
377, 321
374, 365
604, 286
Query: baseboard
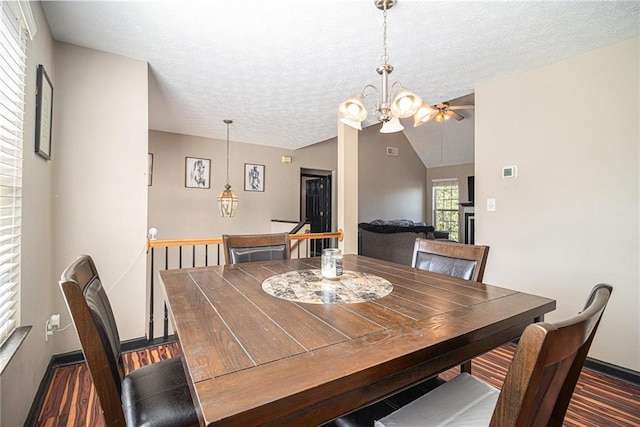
41, 394
610, 370
74, 357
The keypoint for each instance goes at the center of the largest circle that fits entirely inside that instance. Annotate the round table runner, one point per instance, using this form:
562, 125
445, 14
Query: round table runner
309, 286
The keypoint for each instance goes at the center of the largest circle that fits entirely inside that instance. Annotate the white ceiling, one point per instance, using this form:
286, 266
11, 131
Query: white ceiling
279, 68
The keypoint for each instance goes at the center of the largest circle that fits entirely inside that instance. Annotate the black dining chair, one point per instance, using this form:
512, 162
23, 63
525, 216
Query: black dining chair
256, 247
450, 258
538, 386
155, 395
453, 259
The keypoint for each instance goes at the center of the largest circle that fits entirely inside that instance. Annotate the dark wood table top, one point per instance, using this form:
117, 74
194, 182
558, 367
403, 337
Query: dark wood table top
255, 359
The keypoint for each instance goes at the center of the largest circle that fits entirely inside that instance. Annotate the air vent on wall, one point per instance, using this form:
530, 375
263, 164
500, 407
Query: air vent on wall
392, 151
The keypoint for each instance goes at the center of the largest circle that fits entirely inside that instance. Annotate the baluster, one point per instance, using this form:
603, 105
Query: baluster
166, 312
151, 286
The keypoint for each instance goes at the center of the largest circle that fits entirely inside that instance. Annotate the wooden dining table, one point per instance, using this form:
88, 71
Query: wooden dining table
252, 358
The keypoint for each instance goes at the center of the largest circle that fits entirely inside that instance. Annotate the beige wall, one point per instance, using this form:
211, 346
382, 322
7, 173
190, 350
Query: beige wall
178, 212
389, 187
22, 377
571, 218
459, 172
100, 183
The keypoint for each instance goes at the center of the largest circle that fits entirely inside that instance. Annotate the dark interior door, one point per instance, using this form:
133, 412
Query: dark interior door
318, 209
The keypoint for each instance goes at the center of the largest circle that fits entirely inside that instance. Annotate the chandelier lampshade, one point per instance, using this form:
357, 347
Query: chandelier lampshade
424, 113
405, 104
392, 126
353, 109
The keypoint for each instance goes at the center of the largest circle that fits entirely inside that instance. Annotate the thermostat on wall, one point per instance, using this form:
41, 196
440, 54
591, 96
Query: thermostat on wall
508, 171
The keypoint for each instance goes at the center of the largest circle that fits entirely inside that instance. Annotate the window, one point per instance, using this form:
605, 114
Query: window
445, 206
13, 44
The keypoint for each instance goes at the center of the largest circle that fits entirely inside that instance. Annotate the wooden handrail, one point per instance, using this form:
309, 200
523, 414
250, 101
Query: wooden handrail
218, 240
297, 242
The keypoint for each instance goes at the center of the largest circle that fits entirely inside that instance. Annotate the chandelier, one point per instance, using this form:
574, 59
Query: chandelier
227, 200
392, 102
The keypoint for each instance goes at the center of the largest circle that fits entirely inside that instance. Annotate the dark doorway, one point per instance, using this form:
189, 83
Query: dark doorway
315, 205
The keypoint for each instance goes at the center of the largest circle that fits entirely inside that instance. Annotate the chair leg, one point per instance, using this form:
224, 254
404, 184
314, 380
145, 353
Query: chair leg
466, 367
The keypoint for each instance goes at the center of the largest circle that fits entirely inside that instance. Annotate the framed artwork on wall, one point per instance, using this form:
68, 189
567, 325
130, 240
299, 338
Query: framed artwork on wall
44, 113
253, 177
150, 170
197, 172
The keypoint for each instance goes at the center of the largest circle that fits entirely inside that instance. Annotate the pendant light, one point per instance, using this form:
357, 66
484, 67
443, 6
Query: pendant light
393, 102
227, 200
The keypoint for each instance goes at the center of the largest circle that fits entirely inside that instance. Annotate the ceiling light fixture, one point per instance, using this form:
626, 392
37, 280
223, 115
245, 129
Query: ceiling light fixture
405, 103
227, 200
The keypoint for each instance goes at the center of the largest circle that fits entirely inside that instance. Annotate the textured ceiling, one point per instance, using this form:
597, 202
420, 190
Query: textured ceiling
280, 68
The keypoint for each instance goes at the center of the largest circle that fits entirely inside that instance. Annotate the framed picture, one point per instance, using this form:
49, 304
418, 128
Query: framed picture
253, 177
44, 113
150, 170
197, 172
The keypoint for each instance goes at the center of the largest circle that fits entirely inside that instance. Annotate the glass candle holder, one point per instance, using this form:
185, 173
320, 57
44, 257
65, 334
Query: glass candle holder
331, 263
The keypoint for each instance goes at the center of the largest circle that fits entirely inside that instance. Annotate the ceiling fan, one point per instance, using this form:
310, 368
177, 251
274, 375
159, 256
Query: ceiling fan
440, 112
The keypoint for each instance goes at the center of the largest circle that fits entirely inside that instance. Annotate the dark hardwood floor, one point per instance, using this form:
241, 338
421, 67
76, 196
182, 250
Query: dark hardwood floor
598, 400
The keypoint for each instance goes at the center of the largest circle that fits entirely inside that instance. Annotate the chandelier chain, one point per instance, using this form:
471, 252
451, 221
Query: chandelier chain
385, 55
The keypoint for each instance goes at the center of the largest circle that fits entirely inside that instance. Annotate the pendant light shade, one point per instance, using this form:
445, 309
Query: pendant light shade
227, 200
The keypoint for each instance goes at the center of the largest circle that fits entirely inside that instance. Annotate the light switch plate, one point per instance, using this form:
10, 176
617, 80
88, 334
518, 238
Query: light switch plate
491, 205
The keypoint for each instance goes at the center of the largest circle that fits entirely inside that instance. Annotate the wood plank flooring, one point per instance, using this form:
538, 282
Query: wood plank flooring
598, 401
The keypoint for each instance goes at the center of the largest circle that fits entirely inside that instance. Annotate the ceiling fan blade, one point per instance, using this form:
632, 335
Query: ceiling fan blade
461, 107
454, 115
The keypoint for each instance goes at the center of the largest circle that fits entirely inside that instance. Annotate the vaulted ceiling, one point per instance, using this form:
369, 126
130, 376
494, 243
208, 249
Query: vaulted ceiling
280, 68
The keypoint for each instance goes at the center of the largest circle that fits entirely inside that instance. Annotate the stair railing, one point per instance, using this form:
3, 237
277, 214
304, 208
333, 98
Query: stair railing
191, 253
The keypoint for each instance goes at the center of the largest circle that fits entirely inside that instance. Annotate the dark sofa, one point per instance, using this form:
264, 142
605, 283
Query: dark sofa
393, 240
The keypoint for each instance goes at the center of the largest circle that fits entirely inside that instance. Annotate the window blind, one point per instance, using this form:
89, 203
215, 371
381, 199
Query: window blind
13, 44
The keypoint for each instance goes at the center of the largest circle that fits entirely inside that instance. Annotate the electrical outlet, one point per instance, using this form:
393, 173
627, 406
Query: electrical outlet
51, 325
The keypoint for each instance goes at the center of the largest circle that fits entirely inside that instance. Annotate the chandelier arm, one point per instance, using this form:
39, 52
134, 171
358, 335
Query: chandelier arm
391, 88
374, 89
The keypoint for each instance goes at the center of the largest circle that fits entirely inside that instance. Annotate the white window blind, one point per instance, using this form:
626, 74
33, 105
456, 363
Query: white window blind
13, 44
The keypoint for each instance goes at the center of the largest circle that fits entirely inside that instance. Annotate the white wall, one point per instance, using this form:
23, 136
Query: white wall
571, 218
180, 213
389, 187
22, 377
100, 183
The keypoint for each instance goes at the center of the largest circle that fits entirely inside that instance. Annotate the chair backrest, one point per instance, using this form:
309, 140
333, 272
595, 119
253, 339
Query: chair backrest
256, 247
93, 318
450, 258
546, 366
